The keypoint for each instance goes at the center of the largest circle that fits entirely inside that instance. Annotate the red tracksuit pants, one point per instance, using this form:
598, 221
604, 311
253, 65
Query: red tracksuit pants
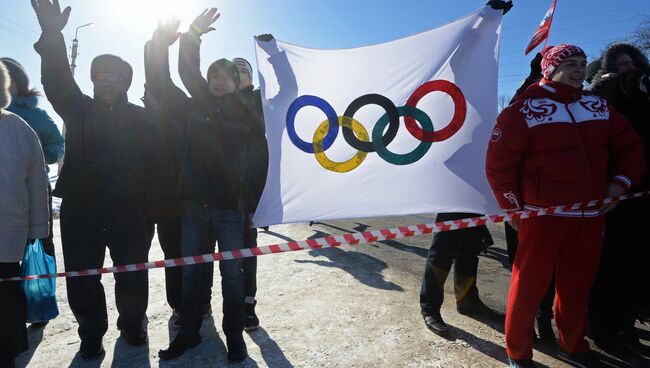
570, 247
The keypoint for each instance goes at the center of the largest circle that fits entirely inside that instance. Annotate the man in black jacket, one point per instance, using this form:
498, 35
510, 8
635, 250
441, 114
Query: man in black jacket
101, 183
217, 123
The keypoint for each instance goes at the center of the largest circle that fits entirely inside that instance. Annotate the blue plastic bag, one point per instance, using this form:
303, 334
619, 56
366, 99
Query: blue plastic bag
40, 293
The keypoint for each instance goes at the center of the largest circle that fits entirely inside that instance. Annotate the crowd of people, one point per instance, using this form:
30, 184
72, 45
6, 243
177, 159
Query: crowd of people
191, 168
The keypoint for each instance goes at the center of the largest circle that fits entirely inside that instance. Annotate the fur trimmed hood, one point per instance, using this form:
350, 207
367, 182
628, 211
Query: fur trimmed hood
608, 60
5, 96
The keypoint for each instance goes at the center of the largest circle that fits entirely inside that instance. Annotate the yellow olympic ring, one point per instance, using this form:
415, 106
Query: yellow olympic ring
341, 167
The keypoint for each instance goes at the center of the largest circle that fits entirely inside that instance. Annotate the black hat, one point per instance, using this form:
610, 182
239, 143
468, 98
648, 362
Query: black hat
18, 75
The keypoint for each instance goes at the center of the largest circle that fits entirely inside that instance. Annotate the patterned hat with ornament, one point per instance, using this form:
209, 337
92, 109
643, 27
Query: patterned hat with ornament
555, 55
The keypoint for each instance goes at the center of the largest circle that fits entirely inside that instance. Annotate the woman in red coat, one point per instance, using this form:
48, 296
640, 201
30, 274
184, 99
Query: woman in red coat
558, 145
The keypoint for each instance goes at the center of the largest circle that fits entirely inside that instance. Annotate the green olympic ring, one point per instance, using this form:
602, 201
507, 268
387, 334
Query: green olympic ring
408, 158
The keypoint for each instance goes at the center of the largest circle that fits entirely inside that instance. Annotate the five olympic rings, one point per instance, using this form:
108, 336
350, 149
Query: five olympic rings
357, 136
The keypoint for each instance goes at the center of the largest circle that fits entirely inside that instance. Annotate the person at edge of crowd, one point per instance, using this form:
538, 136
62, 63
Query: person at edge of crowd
257, 159
623, 80
24, 103
460, 247
102, 184
162, 206
558, 145
545, 310
217, 121
23, 205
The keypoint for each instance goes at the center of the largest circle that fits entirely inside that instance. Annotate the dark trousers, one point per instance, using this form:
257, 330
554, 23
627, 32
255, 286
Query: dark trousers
169, 236
621, 285
512, 242
202, 226
250, 263
86, 233
460, 248
13, 316
48, 243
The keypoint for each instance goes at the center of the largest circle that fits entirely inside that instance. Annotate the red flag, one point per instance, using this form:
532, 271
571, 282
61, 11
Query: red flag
543, 30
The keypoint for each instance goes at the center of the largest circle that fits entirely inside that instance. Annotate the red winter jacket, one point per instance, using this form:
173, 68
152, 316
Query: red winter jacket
559, 145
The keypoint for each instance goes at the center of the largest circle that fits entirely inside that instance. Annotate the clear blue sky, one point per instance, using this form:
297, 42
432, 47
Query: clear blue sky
123, 26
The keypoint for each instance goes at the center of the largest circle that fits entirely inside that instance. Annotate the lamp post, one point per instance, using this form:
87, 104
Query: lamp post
75, 47
73, 66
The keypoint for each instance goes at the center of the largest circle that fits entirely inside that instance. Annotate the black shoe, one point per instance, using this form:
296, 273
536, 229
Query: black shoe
38, 325
521, 363
580, 360
545, 328
252, 322
91, 349
178, 346
477, 309
236, 349
436, 324
134, 336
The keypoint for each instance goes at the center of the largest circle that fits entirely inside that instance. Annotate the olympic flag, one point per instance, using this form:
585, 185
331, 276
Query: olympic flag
391, 129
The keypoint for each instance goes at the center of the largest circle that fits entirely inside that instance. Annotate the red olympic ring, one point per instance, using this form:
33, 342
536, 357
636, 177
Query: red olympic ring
457, 121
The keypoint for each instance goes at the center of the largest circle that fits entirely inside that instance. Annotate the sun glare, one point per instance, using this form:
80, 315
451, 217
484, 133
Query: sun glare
148, 12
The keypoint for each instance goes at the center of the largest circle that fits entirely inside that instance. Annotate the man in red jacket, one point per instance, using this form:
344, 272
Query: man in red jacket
558, 145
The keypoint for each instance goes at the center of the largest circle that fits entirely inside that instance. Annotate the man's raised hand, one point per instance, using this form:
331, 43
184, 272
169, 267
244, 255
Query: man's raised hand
203, 23
167, 32
49, 14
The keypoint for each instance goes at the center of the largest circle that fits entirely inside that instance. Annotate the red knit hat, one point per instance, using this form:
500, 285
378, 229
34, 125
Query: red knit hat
555, 55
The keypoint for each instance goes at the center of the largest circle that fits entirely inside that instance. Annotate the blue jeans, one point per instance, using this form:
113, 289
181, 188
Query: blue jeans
202, 226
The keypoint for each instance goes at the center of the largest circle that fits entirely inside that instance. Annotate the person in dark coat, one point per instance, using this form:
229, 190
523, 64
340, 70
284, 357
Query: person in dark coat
461, 248
257, 159
217, 121
621, 288
24, 103
102, 183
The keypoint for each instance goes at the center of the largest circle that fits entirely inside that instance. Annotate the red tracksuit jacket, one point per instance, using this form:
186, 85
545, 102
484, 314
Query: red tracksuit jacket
559, 145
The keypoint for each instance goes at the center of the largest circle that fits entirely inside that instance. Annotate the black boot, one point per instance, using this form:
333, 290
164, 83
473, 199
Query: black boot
178, 346
252, 322
475, 308
236, 349
544, 327
435, 323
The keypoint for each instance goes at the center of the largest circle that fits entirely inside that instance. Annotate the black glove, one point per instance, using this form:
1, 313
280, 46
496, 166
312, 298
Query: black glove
536, 67
500, 4
266, 37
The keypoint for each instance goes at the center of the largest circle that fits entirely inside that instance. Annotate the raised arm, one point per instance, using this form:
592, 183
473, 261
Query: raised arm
156, 67
60, 87
189, 61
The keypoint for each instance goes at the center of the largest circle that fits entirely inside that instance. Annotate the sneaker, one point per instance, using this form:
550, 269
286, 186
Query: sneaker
435, 323
521, 363
580, 360
91, 349
236, 349
477, 309
545, 328
178, 346
252, 322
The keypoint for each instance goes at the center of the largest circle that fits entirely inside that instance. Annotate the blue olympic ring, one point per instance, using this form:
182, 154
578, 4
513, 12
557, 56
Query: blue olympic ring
308, 100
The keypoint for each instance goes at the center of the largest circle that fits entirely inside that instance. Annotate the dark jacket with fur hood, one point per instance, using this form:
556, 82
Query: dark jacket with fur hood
624, 91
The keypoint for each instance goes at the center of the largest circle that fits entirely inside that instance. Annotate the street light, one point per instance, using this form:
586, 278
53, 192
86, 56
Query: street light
75, 47
73, 66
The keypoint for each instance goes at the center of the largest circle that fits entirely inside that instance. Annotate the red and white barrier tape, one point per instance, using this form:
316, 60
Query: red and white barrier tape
337, 240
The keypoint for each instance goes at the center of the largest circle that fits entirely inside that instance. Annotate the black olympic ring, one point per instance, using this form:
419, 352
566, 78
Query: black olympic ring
371, 99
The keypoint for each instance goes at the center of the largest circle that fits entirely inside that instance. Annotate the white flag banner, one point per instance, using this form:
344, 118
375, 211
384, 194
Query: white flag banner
396, 128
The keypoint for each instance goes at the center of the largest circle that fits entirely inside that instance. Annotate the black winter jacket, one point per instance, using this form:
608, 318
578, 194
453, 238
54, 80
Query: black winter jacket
216, 132
107, 146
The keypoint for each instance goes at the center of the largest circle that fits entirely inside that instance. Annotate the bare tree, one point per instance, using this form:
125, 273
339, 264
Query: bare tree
503, 102
641, 35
